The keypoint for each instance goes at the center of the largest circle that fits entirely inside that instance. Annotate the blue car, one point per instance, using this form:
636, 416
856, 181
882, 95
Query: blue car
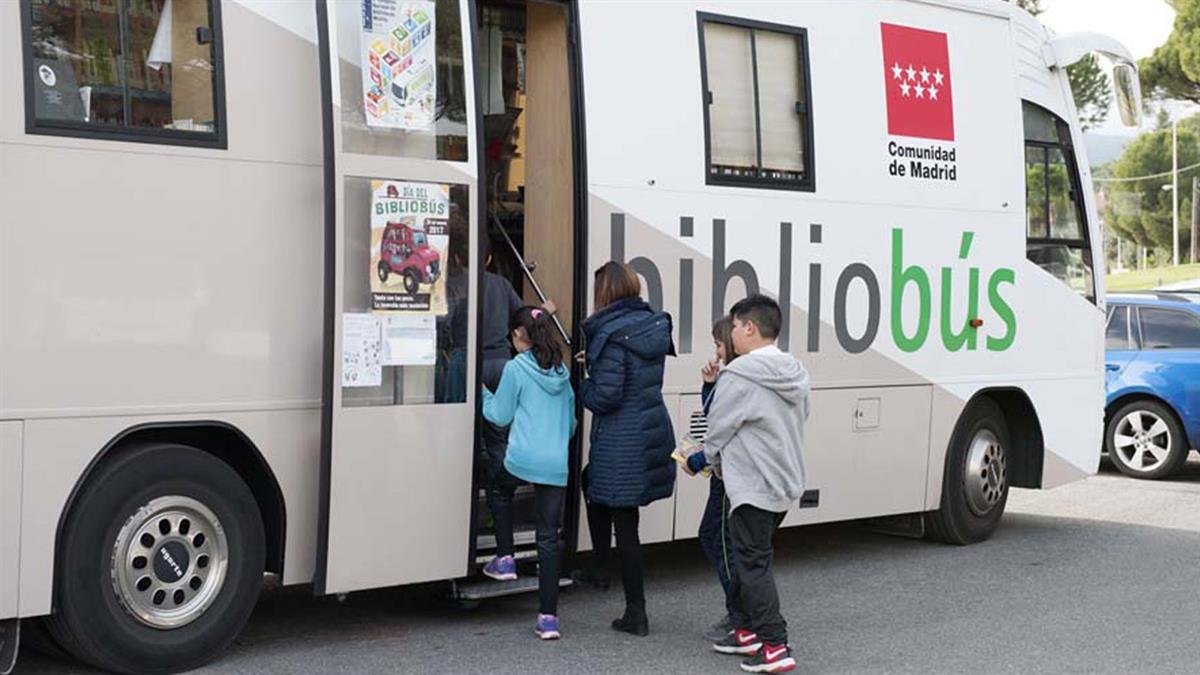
1152, 369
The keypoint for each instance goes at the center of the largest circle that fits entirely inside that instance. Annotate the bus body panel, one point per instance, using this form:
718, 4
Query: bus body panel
58, 452
10, 518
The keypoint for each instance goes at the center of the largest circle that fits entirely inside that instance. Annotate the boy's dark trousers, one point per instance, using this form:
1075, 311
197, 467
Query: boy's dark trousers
713, 535
754, 597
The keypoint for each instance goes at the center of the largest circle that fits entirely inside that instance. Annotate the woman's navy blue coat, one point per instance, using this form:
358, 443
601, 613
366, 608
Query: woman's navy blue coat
629, 461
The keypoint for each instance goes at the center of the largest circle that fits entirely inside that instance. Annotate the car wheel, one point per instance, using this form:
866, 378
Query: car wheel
1144, 440
383, 270
411, 283
161, 562
975, 481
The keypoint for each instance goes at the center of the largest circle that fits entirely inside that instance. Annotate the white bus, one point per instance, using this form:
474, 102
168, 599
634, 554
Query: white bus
240, 272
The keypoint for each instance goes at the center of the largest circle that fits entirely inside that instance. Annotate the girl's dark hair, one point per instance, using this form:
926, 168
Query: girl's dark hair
615, 281
722, 331
539, 330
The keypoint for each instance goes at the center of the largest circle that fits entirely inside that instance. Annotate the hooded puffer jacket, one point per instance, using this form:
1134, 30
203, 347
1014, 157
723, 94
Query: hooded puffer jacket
631, 440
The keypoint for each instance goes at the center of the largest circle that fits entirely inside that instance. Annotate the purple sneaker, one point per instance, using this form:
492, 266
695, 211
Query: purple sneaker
547, 627
501, 569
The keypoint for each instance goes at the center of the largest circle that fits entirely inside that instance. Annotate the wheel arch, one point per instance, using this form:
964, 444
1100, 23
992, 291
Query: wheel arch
223, 441
1024, 429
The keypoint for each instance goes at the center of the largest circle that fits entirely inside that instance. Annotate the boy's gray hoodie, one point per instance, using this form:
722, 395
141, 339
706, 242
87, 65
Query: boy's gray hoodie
756, 429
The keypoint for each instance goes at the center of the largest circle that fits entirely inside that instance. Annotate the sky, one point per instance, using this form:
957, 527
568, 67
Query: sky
1141, 25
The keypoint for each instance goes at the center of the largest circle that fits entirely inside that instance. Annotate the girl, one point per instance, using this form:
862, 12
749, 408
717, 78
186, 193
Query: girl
629, 462
712, 539
535, 398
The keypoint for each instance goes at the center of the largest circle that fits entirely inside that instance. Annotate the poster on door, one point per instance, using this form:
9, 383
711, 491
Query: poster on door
399, 63
410, 240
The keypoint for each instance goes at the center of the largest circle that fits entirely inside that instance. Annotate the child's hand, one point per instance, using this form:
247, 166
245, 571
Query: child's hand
710, 370
580, 357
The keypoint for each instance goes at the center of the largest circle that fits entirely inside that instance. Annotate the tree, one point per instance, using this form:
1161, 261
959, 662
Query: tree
1173, 71
1140, 210
1034, 7
1089, 83
1091, 91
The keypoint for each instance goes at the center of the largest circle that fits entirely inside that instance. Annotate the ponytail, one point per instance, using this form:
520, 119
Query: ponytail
539, 330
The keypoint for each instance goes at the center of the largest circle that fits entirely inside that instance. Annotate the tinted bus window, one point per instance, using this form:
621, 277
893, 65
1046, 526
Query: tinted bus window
124, 67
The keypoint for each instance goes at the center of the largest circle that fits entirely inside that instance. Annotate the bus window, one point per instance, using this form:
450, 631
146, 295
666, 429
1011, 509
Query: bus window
422, 351
128, 70
1055, 227
756, 112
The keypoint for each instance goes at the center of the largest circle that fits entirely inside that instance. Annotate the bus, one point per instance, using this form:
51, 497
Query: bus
214, 364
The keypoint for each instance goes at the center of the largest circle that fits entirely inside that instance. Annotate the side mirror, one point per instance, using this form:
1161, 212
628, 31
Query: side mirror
1129, 93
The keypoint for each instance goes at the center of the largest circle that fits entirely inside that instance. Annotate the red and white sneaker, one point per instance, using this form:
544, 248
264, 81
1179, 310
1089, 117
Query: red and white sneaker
739, 642
770, 659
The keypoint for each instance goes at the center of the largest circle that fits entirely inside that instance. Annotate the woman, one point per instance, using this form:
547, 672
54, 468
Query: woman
629, 463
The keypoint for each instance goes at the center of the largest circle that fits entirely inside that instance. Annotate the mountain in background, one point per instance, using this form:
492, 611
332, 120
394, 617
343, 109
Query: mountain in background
1103, 148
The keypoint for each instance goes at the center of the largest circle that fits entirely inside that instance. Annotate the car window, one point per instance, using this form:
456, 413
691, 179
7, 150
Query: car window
1169, 329
1117, 336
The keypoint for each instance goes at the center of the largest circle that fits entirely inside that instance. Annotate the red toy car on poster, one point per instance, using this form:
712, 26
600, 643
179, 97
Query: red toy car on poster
406, 251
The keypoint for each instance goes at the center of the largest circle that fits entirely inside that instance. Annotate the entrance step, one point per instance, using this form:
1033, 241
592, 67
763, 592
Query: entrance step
487, 588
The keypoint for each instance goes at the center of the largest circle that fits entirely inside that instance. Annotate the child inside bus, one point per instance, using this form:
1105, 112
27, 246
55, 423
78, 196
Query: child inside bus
534, 397
755, 442
716, 511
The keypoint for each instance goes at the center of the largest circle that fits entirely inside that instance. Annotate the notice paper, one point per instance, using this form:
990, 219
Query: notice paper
362, 364
409, 341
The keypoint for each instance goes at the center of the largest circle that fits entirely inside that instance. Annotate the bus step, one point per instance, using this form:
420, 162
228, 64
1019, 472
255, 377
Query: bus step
481, 590
911, 525
10, 638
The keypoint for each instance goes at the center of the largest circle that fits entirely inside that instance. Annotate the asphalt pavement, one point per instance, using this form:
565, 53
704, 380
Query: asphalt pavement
1095, 577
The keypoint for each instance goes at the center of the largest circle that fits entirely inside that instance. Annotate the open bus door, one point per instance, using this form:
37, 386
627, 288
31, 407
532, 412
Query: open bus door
399, 409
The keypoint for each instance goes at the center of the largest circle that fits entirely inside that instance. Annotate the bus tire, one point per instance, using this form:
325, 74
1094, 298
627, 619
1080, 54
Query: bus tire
975, 482
160, 562
1146, 426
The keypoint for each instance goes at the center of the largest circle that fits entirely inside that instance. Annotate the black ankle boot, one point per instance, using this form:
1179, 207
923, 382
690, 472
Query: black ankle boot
632, 624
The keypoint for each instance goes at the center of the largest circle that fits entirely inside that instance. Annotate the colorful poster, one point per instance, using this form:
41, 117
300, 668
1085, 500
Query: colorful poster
362, 365
399, 63
410, 239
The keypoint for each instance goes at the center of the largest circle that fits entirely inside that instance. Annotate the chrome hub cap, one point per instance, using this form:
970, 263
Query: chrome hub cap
1142, 441
986, 472
169, 562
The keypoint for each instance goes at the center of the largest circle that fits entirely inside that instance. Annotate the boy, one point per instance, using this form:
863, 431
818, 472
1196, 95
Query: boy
754, 440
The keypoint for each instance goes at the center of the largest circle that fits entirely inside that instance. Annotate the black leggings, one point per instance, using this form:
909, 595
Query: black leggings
548, 508
602, 521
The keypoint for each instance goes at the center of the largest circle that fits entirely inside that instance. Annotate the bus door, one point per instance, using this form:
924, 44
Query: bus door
401, 224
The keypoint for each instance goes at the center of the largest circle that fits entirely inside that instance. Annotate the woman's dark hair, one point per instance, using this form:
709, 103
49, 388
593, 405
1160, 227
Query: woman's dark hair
539, 330
615, 281
722, 331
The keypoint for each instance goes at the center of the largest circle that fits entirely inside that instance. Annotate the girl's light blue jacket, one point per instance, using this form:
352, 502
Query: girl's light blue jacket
540, 406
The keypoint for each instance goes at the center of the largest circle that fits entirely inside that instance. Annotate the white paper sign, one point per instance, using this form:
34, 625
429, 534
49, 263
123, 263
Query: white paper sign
409, 341
399, 63
362, 364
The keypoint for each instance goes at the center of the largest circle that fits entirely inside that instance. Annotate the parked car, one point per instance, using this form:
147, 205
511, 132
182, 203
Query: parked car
1152, 369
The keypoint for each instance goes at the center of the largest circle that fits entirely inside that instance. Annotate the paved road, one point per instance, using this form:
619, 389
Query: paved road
1096, 577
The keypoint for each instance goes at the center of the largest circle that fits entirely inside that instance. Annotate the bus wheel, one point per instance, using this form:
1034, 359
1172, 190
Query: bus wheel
975, 482
1144, 440
411, 282
161, 562
383, 272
